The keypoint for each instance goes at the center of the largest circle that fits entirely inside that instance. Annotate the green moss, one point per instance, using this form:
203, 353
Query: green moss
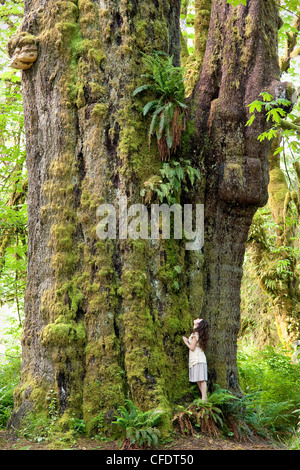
97, 91
100, 111
61, 440
193, 62
277, 193
80, 99
160, 34
63, 334
87, 15
91, 50
103, 392
66, 28
202, 19
32, 391
141, 32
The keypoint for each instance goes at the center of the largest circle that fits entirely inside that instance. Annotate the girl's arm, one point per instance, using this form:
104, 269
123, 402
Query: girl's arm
192, 344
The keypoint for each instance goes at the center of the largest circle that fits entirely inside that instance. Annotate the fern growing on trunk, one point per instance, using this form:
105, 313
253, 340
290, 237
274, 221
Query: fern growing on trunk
168, 110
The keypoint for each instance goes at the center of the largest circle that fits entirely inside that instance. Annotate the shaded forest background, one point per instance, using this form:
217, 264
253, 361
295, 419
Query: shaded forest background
267, 359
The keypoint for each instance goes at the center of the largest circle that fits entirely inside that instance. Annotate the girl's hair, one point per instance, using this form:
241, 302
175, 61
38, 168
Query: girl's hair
203, 332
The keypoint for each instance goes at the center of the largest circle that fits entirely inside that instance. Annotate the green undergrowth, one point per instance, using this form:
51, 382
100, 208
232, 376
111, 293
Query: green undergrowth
9, 378
10, 368
269, 407
271, 381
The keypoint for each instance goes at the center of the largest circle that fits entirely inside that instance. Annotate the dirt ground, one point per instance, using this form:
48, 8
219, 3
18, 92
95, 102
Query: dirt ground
199, 442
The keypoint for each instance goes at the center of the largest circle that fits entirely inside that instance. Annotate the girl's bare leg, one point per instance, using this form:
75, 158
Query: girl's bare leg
203, 389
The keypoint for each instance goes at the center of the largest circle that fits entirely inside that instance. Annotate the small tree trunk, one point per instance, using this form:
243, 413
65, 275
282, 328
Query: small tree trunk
240, 62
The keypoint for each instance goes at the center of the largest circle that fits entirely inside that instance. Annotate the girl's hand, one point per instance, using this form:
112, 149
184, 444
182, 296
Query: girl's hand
191, 345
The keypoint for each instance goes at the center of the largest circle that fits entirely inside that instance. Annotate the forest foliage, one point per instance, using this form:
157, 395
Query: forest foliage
269, 379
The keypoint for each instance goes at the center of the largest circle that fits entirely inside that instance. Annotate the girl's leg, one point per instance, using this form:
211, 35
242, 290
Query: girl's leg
203, 389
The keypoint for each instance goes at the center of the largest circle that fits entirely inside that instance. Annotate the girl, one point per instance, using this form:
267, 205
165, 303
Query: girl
197, 343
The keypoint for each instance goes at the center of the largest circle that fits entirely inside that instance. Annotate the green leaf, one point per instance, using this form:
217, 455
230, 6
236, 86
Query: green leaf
165, 189
255, 106
278, 150
266, 96
142, 88
169, 137
182, 105
179, 172
161, 126
149, 106
153, 124
250, 121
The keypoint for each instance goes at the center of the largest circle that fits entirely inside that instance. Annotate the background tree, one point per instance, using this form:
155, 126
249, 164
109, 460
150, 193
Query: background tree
13, 178
13, 213
273, 240
104, 319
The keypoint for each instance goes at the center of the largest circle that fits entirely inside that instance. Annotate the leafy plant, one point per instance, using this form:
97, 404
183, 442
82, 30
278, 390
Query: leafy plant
272, 382
284, 128
168, 185
9, 376
13, 175
274, 109
140, 427
10, 367
168, 110
52, 406
205, 416
79, 426
256, 412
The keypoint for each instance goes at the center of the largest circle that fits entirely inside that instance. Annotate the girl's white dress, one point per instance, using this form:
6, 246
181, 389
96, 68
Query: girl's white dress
197, 362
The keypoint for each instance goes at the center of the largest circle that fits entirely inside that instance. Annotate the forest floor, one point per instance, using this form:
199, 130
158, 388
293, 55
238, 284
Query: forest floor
199, 442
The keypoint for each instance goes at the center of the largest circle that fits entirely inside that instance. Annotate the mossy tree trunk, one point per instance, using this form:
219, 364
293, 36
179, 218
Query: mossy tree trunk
240, 62
104, 319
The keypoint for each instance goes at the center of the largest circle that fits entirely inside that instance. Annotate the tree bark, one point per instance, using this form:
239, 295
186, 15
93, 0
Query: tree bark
104, 319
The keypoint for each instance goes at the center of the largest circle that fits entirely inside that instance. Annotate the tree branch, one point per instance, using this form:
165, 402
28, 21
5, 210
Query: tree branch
291, 49
290, 126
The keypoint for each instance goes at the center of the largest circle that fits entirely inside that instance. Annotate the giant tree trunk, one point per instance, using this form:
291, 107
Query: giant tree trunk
104, 319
